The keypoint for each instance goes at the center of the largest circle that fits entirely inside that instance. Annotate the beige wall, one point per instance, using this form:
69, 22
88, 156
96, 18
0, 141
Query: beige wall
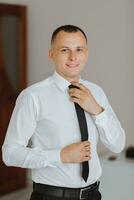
110, 28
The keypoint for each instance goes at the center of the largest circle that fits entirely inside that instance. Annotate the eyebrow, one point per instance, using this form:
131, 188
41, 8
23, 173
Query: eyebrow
66, 47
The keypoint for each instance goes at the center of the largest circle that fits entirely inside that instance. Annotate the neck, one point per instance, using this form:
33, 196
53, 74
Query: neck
72, 79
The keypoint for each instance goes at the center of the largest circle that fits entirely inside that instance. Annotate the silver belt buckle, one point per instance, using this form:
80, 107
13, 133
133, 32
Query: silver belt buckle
81, 192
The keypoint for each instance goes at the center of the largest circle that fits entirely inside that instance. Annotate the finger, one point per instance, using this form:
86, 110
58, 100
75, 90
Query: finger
87, 154
74, 92
75, 95
86, 158
86, 143
75, 100
87, 149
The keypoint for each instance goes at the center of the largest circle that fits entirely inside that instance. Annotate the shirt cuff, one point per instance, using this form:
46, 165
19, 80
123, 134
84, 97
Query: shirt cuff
101, 118
53, 157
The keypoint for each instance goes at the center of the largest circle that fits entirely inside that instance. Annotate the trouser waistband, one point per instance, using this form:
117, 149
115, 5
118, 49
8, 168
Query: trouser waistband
54, 191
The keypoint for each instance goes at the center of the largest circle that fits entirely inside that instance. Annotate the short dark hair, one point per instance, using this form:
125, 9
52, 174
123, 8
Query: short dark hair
68, 29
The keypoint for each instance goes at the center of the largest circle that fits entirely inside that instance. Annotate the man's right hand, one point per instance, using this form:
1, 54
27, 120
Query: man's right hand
76, 153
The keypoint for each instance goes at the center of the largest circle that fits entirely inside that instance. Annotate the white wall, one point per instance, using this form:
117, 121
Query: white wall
110, 28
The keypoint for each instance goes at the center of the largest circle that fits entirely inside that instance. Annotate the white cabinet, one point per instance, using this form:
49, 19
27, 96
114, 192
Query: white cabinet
117, 181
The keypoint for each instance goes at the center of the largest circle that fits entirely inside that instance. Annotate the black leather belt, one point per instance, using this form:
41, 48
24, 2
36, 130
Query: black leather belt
79, 193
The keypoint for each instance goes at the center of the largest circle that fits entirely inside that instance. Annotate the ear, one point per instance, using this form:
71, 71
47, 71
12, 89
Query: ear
87, 54
50, 54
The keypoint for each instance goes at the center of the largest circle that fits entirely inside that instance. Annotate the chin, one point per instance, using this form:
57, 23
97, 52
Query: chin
73, 76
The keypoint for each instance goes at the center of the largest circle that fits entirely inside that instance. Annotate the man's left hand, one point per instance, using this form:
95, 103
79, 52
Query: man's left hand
85, 99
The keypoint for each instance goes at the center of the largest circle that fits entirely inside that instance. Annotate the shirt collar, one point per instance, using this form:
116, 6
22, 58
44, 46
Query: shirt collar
61, 82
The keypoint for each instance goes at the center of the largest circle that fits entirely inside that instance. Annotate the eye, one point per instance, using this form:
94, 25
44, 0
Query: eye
79, 49
64, 50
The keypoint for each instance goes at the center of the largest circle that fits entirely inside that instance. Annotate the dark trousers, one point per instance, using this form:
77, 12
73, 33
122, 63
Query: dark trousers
95, 195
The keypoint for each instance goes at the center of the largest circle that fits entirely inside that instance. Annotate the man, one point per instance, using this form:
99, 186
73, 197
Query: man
45, 114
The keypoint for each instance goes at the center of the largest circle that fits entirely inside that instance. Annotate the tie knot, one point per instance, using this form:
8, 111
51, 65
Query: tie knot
73, 86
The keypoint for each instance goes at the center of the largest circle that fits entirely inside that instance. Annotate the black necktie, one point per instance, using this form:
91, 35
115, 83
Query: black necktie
84, 133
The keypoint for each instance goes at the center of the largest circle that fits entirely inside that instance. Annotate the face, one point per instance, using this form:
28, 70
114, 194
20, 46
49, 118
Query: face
69, 53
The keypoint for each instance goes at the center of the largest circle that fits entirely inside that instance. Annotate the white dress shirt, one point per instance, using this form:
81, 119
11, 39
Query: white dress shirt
44, 121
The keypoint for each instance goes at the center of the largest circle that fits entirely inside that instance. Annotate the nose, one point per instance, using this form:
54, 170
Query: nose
72, 55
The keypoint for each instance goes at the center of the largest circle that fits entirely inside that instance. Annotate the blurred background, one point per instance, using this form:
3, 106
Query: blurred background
25, 34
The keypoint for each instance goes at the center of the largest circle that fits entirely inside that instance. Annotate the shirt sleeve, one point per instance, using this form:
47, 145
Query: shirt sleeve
15, 150
110, 130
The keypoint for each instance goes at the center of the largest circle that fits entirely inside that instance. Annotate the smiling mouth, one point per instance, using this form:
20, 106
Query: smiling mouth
72, 65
